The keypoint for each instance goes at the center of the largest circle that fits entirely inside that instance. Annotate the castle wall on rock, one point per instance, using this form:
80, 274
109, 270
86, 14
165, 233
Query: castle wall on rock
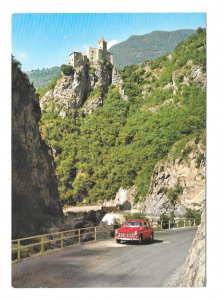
94, 55
77, 59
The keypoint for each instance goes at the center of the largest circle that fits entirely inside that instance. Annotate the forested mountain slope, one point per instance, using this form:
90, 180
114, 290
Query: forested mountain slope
138, 48
149, 115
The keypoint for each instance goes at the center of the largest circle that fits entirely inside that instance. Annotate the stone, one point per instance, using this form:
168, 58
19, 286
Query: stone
194, 270
167, 175
71, 92
35, 200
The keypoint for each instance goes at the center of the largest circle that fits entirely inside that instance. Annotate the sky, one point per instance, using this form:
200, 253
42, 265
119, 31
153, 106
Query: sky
46, 40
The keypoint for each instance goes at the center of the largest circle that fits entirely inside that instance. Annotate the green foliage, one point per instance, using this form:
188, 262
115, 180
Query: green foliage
48, 87
41, 78
192, 49
193, 215
165, 219
200, 159
174, 193
120, 143
67, 70
150, 46
135, 216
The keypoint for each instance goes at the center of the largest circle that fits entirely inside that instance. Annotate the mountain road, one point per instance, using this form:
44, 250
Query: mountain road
108, 264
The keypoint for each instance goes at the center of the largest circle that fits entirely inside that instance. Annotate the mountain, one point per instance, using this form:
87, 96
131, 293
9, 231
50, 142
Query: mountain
135, 50
147, 130
40, 78
139, 48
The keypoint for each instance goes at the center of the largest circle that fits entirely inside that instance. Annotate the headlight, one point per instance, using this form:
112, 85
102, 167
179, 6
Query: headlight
115, 231
136, 232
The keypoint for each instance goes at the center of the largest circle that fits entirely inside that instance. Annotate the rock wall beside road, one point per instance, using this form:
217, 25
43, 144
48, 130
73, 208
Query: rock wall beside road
194, 274
35, 200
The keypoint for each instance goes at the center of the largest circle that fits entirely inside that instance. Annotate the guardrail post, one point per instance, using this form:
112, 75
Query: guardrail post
194, 222
161, 225
169, 224
42, 245
62, 242
189, 223
18, 249
95, 234
78, 235
177, 224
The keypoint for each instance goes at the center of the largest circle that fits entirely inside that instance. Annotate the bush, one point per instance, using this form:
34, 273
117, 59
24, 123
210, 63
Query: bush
165, 219
200, 159
67, 70
174, 193
193, 215
134, 216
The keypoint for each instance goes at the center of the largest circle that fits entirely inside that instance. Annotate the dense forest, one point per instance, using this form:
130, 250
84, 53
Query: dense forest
119, 144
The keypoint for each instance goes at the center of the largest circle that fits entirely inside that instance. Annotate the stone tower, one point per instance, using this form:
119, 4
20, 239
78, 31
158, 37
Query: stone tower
102, 45
102, 50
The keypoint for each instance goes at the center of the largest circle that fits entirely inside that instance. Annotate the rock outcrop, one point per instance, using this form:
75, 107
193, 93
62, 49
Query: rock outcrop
194, 273
124, 198
178, 184
79, 90
35, 201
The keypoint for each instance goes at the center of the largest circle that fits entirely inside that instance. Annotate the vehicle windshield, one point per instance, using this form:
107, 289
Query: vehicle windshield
133, 224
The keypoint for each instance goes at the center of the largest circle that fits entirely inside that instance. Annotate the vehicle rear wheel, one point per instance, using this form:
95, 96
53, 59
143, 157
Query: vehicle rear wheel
140, 239
152, 237
118, 241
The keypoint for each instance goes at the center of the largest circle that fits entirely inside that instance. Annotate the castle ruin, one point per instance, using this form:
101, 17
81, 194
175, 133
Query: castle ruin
94, 55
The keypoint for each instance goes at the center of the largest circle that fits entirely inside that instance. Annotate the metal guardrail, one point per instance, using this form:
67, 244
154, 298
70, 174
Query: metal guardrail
25, 247
41, 244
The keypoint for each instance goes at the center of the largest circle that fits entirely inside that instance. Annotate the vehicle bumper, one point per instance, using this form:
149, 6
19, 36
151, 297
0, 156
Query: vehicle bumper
127, 239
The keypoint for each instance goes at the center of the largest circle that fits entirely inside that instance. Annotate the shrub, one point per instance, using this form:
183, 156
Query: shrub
67, 70
135, 216
200, 159
165, 219
192, 215
174, 193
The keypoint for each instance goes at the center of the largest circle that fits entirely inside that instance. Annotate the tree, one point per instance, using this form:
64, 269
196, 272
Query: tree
67, 70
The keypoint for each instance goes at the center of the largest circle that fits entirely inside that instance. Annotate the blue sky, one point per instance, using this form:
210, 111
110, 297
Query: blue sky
46, 40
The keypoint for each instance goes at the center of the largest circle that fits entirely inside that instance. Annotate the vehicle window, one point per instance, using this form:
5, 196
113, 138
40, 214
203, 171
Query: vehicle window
134, 224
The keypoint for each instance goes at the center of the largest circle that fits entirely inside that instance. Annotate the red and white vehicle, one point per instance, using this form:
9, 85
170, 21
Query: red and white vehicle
135, 230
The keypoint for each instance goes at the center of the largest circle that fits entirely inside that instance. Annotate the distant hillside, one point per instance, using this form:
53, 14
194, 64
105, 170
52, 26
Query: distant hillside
139, 48
40, 78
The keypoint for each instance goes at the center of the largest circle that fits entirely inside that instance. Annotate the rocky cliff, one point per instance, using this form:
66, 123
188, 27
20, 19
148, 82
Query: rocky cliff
35, 201
194, 272
85, 88
178, 184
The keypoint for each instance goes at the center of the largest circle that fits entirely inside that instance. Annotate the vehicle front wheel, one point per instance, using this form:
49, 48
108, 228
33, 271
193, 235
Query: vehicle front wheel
140, 239
118, 241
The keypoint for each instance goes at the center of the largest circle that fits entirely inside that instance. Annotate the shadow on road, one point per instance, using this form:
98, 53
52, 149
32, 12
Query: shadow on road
155, 241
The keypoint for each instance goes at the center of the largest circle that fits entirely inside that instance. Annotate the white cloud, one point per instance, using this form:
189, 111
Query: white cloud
112, 43
85, 47
22, 56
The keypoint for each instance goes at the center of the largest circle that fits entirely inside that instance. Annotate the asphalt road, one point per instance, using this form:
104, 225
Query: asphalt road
107, 264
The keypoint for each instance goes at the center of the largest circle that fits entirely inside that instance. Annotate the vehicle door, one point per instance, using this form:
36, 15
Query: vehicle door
147, 230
